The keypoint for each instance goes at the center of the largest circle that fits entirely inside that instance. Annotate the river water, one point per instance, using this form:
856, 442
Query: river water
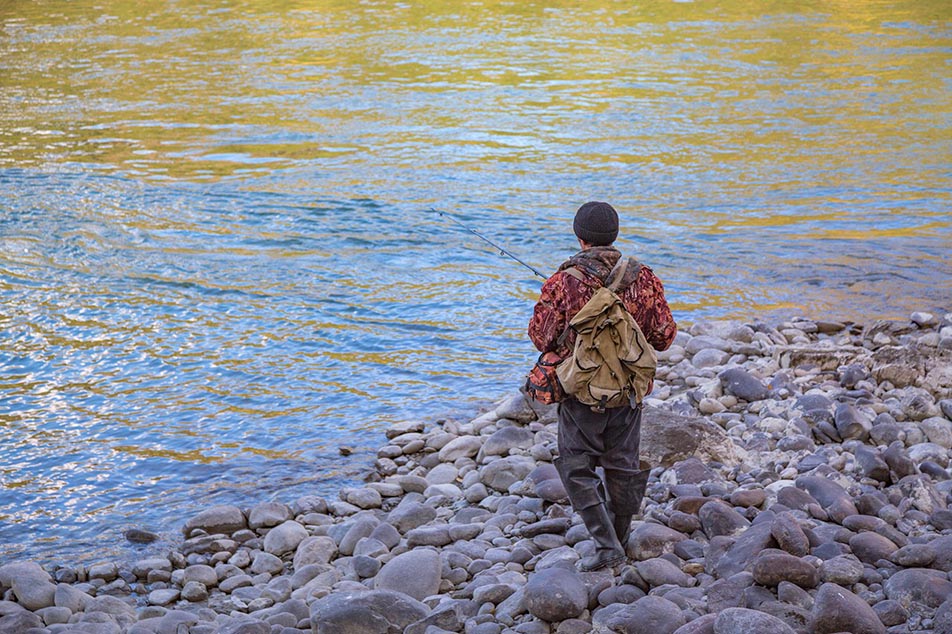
219, 259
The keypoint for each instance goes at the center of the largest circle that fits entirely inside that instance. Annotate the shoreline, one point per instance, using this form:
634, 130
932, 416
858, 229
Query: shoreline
800, 482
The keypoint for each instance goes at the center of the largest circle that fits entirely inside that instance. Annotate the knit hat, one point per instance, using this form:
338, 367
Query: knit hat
596, 223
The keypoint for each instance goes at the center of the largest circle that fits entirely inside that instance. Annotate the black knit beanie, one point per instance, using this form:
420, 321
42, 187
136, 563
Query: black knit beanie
596, 223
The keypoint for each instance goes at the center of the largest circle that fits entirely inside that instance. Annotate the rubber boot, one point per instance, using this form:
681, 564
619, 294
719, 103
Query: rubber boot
585, 492
625, 490
608, 551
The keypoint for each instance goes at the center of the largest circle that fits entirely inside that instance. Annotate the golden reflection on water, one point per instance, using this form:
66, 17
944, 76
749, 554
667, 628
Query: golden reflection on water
214, 89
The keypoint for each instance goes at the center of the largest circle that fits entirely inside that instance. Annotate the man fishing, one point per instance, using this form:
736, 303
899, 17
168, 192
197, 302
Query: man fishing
588, 437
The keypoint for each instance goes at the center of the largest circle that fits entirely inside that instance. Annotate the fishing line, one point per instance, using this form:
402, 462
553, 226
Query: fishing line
490, 242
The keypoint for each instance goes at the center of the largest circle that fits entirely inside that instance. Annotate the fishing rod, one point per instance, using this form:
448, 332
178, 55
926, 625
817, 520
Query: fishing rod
484, 238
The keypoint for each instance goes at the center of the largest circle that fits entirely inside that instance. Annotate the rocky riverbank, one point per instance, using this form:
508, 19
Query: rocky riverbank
800, 483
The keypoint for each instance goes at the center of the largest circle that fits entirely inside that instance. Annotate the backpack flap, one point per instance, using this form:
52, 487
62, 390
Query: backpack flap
612, 364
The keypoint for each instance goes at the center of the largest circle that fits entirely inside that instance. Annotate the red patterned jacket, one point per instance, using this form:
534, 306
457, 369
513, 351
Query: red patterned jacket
564, 295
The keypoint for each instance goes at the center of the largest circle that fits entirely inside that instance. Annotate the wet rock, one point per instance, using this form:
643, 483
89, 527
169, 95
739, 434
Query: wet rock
365, 612
140, 536
744, 621
836, 609
717, 518
556, 594
416, 573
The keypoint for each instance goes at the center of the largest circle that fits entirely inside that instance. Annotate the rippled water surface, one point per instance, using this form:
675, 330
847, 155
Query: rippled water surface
219, 263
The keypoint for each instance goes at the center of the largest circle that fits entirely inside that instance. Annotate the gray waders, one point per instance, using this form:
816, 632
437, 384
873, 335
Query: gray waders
609, 439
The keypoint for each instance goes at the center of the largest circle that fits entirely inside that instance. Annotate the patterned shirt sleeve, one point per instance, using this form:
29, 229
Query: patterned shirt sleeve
645, 299
548, 317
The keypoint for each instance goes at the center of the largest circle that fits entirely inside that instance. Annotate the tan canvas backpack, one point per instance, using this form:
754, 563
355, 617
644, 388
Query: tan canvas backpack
612, 364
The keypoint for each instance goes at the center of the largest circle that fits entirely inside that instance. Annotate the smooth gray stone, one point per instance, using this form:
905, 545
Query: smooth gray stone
702, 625
743, 384
871, 547
942, 623
648, 615
920, 585
506, 438
844, 570
745, 621
789, 536
222, 518
741, 554
718, 518
556, 594
284, 538
416, 573
829, 494
268, 514
658, 572
836, 609
370, 612
409, 515
770, 568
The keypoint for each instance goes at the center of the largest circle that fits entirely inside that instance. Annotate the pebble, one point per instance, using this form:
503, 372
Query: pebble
800, 482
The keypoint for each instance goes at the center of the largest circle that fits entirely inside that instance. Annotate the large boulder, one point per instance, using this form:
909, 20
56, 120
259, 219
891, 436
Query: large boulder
667, 438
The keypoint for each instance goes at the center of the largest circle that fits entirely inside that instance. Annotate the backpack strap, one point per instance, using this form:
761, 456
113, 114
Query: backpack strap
614, 279
576, 273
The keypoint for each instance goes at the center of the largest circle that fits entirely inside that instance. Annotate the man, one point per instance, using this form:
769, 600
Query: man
610, 438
